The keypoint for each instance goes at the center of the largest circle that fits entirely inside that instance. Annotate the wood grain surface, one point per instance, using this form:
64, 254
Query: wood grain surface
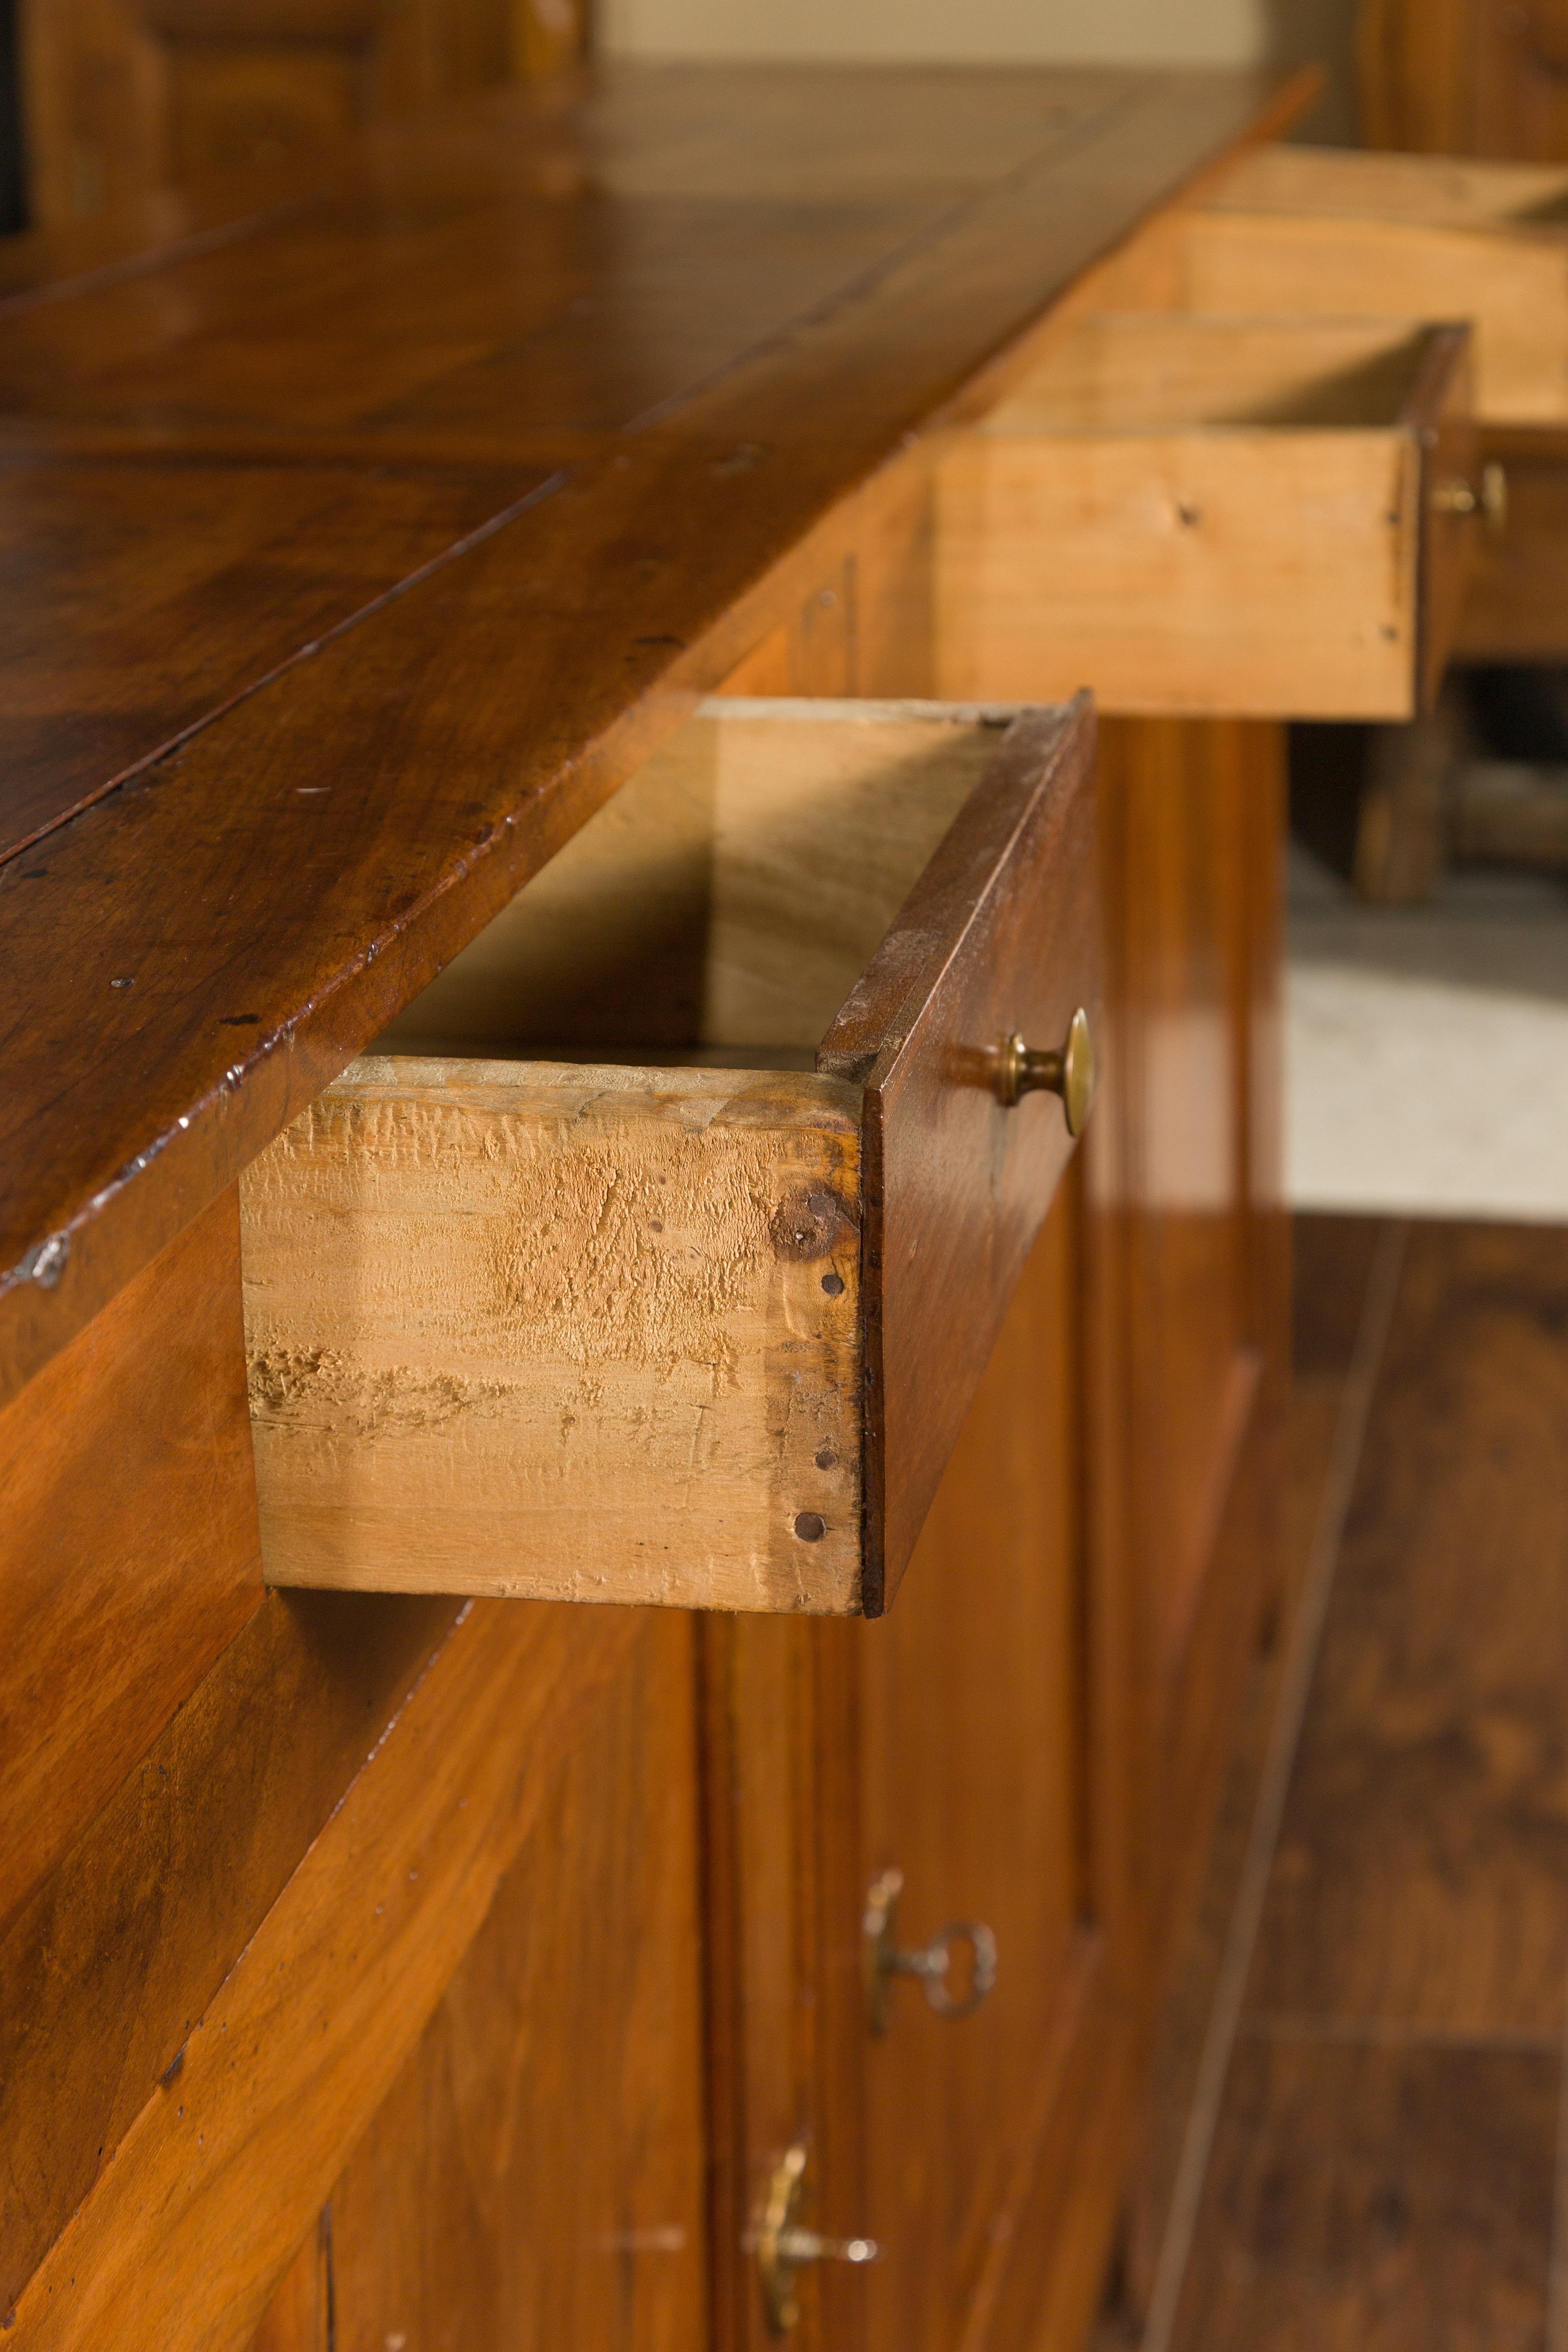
127, 1551
1001, 935
106, 1967
497, 1311
1422, 1875
1205, 516
306, 862
537, 2174
1386, 2167
1317, 233
1376, 2200
223, 2167
562, 1333
300, 2317
976, 1752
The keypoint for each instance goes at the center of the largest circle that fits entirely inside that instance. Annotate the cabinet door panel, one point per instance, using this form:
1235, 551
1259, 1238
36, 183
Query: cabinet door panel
1186, 1181
973, 1740
536, 2177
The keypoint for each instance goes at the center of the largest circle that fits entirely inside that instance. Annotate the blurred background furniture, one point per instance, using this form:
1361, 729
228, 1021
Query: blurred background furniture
1466, 77
1476, 781
122, 97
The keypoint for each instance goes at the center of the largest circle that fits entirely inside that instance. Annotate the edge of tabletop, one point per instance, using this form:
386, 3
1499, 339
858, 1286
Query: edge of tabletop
172, 1113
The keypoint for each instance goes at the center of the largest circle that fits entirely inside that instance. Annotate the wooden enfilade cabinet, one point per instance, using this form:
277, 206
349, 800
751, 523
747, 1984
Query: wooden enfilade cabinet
643, 1314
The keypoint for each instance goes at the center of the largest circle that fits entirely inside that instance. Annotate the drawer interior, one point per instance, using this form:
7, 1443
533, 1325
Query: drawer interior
1319, 232
1203, 514
1168, 371
1433, 191
721, 907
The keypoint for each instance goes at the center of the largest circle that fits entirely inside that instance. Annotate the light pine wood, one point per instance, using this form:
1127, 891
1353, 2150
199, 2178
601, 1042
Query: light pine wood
731, 894
595, 1330
1196, 516
527, 1328
1320, 233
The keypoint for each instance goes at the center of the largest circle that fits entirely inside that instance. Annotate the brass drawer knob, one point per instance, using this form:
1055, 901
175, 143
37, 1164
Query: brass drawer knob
1490, 502
931, 1963
1066, 1070
784, 2246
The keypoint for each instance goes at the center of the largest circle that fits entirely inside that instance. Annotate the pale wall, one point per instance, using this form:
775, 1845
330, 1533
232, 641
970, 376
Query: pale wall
1205, 32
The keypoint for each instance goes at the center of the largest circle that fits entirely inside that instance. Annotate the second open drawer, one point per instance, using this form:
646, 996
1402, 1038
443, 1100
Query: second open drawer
657, 1253
1248, 516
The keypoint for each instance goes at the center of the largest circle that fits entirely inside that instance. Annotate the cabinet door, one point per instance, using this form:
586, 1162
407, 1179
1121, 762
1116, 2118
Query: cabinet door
1192, 1276
992, 2138
536, 2176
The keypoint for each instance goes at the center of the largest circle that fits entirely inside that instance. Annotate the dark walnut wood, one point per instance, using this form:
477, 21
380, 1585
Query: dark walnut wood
232, 1963
537, 2173
130, 97
1419, 1882
1465, 76
1000, 937
280, 884
129, 1554
114, 1955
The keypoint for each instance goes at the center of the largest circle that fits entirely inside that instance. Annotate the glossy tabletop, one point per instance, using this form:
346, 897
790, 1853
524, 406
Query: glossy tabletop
361, 528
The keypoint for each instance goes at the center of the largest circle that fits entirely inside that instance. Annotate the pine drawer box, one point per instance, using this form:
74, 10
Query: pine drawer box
1322, 232
1199, 516
602, 1278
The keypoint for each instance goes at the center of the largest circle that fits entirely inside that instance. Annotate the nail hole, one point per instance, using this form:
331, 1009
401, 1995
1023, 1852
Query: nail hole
832, 1284
809, 1528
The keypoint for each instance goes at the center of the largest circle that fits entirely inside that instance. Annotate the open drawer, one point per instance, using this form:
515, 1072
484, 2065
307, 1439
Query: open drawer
657, 1253
1257, 517
1325, 232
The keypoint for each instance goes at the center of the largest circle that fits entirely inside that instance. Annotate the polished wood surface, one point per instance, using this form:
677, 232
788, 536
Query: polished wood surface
238, 2142
119, 1950
300, 2316
1517, 610
978, 1738
1000, 937
128, 1553
310, 857
296, 1920
1334, 1261
537, 2173
1403, 2197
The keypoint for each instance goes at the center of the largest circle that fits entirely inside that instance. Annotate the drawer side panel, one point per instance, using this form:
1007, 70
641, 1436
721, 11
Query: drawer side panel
559, 1332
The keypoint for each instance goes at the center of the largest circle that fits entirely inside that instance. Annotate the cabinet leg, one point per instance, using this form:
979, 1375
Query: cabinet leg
1402, 830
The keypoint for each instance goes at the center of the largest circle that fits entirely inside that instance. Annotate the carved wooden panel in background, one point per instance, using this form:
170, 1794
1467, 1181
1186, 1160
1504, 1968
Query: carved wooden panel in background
124, 96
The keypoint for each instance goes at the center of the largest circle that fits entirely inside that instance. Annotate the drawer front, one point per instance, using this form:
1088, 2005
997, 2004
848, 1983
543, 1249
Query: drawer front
1001, 938
1253, 544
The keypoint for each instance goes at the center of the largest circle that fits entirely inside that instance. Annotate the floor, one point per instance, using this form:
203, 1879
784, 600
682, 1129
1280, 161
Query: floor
1428, 1047
1359, 2136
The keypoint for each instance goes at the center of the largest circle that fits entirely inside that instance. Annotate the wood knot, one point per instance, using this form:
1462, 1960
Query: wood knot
809, 1226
